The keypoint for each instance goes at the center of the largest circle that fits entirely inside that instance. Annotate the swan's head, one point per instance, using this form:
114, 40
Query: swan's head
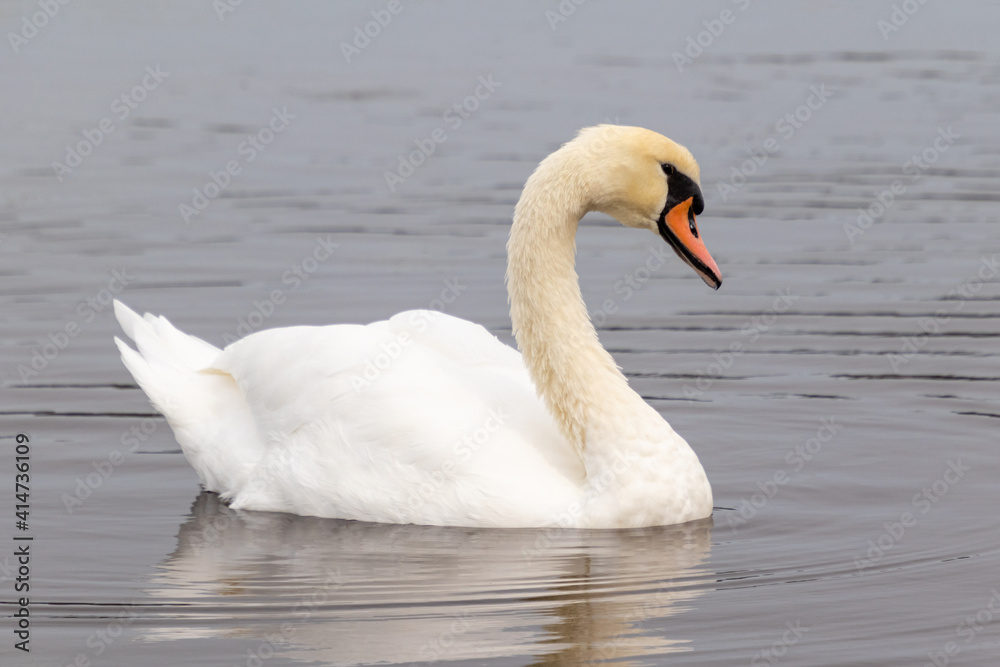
642, 179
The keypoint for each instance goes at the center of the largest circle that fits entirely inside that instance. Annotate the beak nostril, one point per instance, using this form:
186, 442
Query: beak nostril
691, 224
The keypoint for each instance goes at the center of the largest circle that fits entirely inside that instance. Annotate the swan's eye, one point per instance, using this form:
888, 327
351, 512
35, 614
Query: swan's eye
668, 169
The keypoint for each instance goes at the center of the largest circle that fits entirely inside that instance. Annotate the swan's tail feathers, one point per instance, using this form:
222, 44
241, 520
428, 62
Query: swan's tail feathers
160, 342
205, 408
167, 358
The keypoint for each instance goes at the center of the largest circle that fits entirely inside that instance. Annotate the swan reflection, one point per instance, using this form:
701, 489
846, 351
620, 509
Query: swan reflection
347, 593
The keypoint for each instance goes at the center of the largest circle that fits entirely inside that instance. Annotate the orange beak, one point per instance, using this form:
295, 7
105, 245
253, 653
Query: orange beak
678, 228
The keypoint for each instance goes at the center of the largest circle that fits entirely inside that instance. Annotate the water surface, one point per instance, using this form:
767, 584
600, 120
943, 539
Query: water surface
841, 388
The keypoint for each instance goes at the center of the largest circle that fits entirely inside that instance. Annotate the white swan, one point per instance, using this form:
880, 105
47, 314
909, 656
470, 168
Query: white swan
456, 428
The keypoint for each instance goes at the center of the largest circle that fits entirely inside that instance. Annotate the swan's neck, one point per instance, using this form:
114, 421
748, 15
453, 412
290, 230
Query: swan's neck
576, 377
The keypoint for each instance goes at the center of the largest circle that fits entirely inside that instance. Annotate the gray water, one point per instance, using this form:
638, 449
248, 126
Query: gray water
840, 389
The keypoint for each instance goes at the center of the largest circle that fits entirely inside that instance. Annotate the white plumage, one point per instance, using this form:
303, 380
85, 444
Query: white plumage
427, 418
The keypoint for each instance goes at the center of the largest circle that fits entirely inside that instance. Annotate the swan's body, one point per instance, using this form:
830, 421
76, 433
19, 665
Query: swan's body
426, 418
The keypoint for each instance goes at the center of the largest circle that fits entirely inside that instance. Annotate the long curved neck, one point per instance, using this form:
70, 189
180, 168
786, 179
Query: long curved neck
575, 376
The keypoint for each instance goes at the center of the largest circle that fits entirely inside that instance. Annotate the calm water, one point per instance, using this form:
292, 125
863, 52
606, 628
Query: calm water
841, 389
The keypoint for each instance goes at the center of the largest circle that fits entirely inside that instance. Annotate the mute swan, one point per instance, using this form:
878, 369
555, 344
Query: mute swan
456, 429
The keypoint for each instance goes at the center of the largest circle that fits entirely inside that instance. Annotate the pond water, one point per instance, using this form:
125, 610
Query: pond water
841, 388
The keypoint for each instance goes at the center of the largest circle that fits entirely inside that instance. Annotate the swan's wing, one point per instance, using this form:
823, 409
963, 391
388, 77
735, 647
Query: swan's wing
424, 417
293, 376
